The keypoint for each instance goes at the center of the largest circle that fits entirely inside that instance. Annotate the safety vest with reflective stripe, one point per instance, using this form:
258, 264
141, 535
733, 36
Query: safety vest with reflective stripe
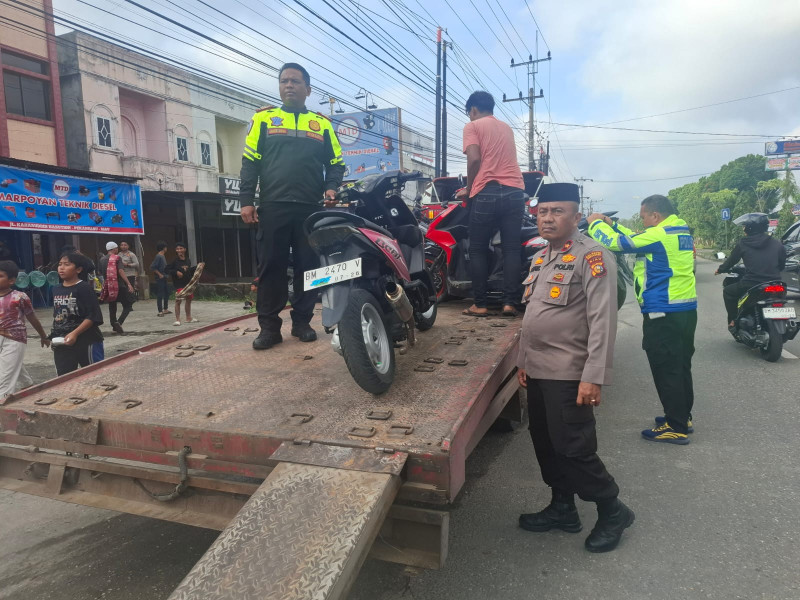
294, 155
664, 270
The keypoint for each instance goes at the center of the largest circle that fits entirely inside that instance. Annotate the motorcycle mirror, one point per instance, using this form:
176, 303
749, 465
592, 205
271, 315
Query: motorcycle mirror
721, 255
533, 202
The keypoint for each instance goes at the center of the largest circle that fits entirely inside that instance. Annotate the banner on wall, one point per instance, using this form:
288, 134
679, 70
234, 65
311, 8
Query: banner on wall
39, 201
370, 141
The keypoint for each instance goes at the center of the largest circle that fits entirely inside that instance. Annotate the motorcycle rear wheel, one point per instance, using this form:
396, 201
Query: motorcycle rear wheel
775, 345
367, 348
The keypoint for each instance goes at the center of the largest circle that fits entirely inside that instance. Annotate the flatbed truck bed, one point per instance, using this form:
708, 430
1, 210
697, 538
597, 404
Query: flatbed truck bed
280, 449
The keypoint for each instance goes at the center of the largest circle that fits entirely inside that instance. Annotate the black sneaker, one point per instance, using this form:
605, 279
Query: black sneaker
266, 340
304, 332
117, 327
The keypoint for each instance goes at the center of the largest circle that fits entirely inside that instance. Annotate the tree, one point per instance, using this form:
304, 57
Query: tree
634, 223
767, 194
789, 193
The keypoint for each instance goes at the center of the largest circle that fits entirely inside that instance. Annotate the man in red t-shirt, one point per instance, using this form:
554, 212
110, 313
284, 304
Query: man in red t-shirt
497, 201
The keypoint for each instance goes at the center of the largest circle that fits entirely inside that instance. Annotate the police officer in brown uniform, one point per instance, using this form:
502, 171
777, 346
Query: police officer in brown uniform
565, 357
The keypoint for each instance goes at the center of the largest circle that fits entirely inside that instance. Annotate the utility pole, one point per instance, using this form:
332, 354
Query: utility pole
438, 143
443, 151
332, 101
579, 181
533, 69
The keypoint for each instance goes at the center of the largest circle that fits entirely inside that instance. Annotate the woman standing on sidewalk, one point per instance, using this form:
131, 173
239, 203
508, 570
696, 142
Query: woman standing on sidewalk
159, 268
116, 287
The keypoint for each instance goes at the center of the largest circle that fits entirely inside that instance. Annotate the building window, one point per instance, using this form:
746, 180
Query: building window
205, 153
26, 96
104, 132
23, 62
183, 149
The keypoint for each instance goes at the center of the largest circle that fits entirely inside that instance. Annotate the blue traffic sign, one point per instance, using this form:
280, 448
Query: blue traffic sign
726, 214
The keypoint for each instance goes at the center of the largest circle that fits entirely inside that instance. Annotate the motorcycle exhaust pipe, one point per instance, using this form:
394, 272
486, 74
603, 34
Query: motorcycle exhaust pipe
402, 307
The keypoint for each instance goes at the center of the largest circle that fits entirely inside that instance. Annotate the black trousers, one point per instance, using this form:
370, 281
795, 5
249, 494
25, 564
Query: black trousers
124, 298
80, 354
496, 207
731, 294
280, 227
162, 294
565, 441
669, 344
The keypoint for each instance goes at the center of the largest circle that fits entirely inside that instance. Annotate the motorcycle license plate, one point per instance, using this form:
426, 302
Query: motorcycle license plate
317, 278
784, 312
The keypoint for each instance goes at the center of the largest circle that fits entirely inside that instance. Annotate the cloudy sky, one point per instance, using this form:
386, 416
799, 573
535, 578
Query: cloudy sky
706, 67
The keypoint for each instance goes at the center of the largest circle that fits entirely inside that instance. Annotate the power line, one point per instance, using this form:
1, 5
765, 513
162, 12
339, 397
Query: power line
649, 180
537, 24
751, 135
510, 22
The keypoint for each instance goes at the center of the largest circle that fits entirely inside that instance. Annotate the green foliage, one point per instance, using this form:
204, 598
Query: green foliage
741, 185
789, 194
634, 223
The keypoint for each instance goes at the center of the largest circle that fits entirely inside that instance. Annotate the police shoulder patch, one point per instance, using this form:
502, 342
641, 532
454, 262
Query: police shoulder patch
263, 108
319, 114
596, 264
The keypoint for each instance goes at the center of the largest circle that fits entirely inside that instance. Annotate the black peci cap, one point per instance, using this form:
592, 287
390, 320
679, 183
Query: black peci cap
559, 192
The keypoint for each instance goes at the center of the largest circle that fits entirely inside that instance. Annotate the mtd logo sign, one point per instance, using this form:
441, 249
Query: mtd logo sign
60, 188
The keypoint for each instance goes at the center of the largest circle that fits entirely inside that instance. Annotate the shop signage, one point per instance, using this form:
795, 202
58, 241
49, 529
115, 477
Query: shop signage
231, 207
782, 163
39, 201
370, 141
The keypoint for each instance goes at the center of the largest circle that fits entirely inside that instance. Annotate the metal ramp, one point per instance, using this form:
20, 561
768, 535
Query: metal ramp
305, 532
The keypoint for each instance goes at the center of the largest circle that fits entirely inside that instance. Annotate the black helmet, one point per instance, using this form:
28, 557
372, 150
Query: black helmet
753, 223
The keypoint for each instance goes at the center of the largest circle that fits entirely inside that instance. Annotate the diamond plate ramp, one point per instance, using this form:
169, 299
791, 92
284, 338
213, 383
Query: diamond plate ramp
302, 535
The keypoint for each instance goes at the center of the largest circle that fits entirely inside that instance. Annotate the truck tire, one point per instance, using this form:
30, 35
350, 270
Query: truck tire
775, 345
367, 348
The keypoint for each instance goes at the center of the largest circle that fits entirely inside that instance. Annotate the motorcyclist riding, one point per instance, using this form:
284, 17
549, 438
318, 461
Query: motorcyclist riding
764, 258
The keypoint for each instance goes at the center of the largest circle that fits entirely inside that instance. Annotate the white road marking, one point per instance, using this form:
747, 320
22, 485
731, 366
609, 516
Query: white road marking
786, 354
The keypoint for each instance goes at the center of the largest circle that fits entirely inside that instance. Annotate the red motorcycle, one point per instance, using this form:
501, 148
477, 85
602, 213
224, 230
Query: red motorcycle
377, 290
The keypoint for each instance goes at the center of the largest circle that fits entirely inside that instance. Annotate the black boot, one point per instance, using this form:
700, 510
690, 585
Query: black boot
304, 332
613, 517
267, 339
559, 514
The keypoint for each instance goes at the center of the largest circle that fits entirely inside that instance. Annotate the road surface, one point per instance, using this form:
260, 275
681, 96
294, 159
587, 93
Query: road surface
716, 519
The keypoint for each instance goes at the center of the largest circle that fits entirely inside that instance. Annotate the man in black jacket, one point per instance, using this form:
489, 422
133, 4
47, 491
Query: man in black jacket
764, 258
295, 156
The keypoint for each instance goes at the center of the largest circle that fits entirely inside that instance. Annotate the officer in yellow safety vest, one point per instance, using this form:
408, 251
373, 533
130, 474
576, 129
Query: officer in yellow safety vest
665, 289
295, 156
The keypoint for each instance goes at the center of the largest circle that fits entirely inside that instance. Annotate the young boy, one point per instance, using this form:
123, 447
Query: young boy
159, 268
14, 308
181, 271
76, 317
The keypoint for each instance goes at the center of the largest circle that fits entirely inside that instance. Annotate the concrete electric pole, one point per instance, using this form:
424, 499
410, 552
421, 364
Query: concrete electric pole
579, 181
531, 63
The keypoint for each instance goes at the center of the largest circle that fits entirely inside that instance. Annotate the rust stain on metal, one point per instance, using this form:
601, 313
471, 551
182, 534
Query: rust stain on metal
339, 457
59, 427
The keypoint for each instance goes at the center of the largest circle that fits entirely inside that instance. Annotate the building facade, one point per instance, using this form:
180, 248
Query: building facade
31, 127
180, 135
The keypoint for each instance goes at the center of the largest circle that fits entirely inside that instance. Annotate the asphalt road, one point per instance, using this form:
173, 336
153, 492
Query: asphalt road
715, 519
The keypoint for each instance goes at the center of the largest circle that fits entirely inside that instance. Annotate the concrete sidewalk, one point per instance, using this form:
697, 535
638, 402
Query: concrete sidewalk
142, 327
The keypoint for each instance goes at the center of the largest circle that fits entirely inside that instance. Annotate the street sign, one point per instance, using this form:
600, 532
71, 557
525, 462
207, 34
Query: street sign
783, 147
726, 214
776, 164
796, 210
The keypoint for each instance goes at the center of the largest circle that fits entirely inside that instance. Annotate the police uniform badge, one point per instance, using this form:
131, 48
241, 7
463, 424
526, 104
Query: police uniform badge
276, 121
566, 246
568, 258
558, 277
555, 292
596, 264
313, 126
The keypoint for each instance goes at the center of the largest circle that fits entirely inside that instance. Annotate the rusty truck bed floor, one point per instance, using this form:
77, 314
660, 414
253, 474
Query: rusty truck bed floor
291, 391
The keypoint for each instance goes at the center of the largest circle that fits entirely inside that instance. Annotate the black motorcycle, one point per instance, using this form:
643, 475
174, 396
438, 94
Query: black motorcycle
764, 320
376, 289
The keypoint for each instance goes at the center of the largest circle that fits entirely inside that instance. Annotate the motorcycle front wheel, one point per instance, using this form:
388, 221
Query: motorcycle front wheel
366, 346
775, 345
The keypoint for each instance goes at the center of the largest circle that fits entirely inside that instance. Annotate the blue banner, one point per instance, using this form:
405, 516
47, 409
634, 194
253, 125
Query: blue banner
370, 141
39, 201
782, 147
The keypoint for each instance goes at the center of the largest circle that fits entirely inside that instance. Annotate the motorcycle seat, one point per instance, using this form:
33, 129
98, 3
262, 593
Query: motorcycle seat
327, 218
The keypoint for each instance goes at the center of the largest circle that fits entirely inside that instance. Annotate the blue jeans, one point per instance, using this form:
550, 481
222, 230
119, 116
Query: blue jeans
496, 207
162, 294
